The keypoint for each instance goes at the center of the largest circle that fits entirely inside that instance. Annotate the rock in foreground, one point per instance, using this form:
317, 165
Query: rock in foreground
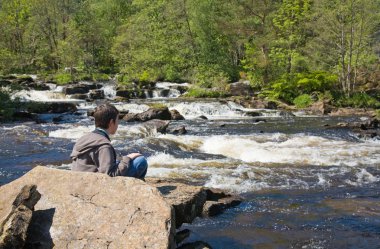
87, 210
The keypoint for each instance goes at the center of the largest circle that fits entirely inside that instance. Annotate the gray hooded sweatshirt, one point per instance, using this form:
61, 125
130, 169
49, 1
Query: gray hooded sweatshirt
94, 153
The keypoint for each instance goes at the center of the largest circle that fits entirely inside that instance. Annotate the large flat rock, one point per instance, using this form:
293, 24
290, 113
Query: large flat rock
187, 200
87, 210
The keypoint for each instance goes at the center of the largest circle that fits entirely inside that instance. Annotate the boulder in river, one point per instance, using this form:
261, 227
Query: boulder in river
161, 113
76, 89
241, 89
321, 108
175, 115
96, 94
91, 210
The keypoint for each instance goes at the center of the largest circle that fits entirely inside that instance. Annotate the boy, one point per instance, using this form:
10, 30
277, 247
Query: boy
94, 153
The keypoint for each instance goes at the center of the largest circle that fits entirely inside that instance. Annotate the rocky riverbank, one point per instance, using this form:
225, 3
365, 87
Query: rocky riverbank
87, 210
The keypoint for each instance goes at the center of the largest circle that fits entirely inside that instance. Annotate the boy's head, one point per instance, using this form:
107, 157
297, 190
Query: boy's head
106, 117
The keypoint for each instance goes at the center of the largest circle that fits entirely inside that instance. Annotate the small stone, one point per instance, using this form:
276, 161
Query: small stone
195, 245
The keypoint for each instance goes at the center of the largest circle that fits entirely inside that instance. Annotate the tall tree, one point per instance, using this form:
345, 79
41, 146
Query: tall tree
345, 35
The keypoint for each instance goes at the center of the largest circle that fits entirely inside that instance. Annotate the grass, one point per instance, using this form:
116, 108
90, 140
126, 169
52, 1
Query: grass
197, 92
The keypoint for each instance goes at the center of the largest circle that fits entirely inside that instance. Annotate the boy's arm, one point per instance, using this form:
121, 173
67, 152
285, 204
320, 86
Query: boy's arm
106, 162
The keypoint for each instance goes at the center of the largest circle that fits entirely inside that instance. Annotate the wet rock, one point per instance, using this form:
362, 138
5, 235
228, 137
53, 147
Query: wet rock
182, 235
131, 117
182, 89
120, 99
76, 89
58, 119
175, 115
72, 213
320, 108
38, 86
122, 114
79, 96
286, 114
156, 124
241, 89
94, 86
156, 113
252, 114
153, 113
218, 201
5, 82
260, 120
14, 226
130, 93
24, 80
352, 112
96, 94
179, 130
124, 93
56, 107
195, 245
24, 115
187, 200
202, 117
366, 130
271, 105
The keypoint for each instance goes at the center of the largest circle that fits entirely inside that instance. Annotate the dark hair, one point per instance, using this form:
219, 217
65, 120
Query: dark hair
104, 114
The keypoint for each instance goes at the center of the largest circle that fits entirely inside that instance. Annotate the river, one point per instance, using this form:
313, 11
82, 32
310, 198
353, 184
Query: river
305, 185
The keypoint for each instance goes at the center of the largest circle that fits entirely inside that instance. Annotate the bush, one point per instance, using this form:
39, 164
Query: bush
289, 86
357, 100
210, 76
303, 101
63, 78
197, 92
7, 106
100, 77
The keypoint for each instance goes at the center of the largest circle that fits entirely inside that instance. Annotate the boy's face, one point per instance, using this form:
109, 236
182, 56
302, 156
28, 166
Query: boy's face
113, 125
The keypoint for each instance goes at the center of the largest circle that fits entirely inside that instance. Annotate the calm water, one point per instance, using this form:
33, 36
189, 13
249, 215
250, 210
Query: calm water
306, 185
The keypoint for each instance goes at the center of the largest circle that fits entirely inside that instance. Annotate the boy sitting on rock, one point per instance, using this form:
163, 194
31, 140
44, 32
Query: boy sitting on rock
94, 153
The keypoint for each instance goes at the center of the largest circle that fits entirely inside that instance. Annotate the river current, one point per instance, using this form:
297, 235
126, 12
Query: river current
305, 185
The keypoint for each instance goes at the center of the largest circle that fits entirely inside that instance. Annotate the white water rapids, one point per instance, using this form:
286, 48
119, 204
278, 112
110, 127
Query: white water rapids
251, 162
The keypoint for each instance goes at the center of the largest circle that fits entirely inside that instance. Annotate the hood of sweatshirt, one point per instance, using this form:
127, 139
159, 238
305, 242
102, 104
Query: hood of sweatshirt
88, 142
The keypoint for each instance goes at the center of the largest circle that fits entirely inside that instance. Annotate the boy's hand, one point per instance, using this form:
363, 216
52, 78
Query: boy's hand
134, 155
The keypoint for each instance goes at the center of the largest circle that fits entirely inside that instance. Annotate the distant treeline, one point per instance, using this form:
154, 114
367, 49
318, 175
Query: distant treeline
314, 46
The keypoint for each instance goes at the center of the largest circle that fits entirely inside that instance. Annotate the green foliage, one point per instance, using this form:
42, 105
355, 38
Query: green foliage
197, 92
204, 42
303, 101
211, 77
63, 78
289, 86
7, 106
378, 114
357, 100
100, 77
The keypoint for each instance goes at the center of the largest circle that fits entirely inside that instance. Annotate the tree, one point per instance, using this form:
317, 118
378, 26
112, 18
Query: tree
289, 22
345, 35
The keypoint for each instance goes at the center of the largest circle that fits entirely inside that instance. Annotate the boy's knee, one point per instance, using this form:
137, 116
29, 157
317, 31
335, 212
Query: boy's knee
141, 161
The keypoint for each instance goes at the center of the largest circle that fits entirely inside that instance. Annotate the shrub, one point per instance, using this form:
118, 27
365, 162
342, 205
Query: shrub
210, 76
63, 78
357, 100
197, 92
100, 77
7, 106
303, 101
289, 86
